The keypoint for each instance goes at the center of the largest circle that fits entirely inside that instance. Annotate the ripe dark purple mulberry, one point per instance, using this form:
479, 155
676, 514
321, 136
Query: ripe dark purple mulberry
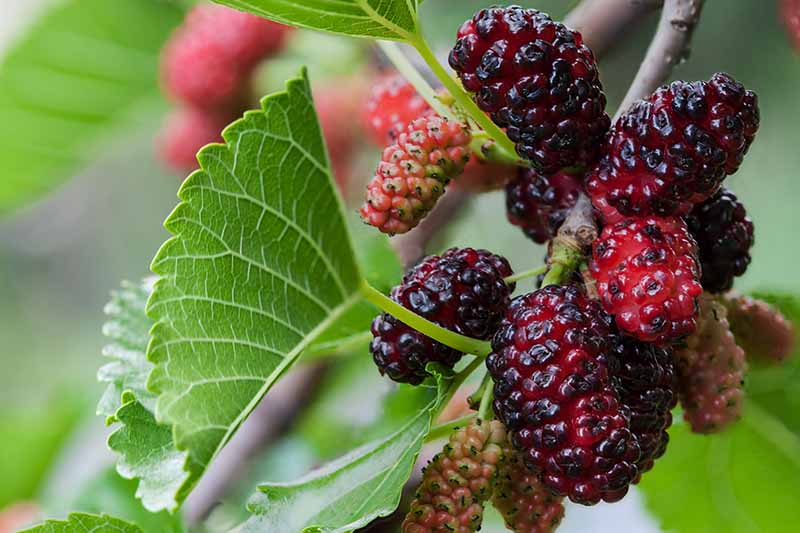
646, 384
673, 149
724, 235
553, 363
463, 291
537, 79
539, 203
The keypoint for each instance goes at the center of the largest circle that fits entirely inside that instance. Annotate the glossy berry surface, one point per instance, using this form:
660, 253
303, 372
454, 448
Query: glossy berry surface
185, 132
461, 290
552, 364
646, 384
539, 203
392, 103
457, 481
724, 234
413, 173
525, 504
207, 60
537, 79
648, 277
673, 149
711, 372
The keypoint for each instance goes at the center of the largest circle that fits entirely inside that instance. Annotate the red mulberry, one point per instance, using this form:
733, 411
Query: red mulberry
413, 173
790, 13
647, 276
553, 363
538, 203
207, 60
724, 235
463, 291
185, 132
537, 79
458, 481
711, 372
674, 149
392, 104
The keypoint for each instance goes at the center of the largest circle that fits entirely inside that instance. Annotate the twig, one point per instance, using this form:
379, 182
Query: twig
602, 22
273, 416
669, 47
579, 229
410, 247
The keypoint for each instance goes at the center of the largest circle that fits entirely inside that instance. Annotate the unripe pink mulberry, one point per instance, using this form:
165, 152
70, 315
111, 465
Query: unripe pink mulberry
208, 59
711, 372
458, 481
185, 132
527, 506
760, 329
413, 173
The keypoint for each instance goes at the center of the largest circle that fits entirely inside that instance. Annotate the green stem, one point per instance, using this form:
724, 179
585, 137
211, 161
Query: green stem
474, 399
423, 325
460, 96
409, 71
484, 411
459, 380
488, 150
440, 431
563, 261
525, 274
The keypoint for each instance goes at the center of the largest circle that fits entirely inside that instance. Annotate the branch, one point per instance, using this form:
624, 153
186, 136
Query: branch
602, 22
410, 247
273, 416
669, 47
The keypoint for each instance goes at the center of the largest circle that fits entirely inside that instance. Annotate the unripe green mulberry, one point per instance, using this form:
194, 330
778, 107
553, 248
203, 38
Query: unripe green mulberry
526, 505
711, 371
458, 481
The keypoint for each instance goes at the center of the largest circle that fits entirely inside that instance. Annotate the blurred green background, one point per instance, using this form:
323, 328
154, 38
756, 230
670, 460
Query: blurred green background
60, 255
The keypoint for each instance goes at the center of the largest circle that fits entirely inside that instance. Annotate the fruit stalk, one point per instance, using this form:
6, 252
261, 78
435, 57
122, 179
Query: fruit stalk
568, 248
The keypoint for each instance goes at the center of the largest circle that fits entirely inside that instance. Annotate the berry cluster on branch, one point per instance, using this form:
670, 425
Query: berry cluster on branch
643, 239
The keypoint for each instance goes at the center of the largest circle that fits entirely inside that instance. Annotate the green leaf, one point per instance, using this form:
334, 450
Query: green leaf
379, 19
260, 265
85, 70
128, 328
109, 493
353, 490
148, 453
88, 523
745, 479
382, 270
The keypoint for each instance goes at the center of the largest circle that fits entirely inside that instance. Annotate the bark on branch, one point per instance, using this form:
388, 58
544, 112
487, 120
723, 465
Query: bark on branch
669, 47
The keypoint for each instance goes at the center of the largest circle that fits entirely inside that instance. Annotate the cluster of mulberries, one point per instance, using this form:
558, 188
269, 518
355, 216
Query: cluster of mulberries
584, 375
458, 481
205, 69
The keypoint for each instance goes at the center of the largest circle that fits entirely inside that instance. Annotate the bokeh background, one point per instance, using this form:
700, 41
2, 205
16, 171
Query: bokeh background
62, 252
